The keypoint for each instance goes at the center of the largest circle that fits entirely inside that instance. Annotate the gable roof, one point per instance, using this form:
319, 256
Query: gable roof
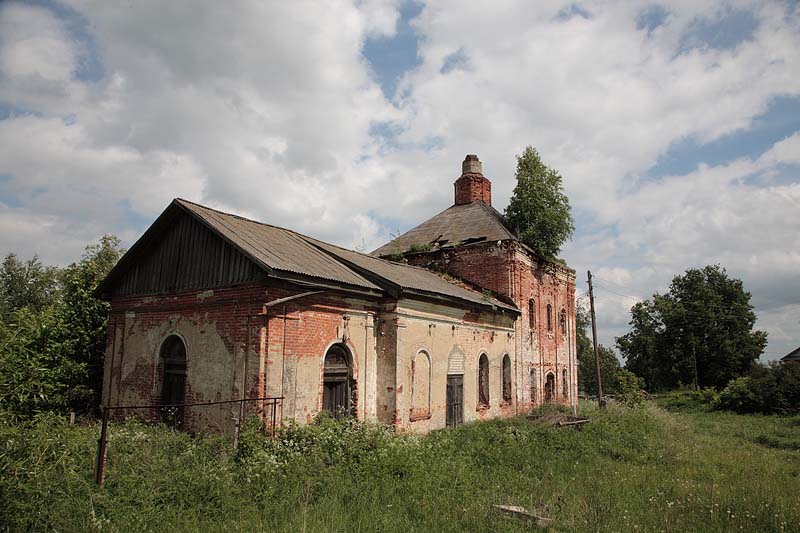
286, 254
794, 355
415, 280
459, 224
277, 248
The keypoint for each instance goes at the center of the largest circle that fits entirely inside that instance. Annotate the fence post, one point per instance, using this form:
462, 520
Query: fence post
102, 443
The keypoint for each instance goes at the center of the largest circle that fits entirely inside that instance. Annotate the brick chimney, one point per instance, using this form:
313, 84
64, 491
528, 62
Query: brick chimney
472, 186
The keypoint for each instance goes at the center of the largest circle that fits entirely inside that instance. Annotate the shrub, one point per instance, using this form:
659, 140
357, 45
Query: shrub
768, 389
740, 396
629, 388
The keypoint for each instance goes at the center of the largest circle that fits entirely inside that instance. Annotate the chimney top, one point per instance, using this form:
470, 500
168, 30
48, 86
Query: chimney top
472, 185
471, 165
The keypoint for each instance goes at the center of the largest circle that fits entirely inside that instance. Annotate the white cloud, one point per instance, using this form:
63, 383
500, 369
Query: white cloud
34, 45
267, 109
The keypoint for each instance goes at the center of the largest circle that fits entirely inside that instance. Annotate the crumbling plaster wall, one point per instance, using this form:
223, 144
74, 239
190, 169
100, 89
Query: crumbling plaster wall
509, 269
214, 328
436, 330
297, 340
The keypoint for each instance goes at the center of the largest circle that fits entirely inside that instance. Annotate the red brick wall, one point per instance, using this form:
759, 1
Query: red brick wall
215, 327
510, 270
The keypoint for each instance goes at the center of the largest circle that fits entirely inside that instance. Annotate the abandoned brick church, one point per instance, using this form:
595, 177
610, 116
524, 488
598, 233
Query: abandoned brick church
455, 320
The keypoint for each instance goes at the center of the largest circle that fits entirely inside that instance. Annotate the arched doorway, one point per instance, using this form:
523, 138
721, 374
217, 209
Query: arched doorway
550, 388
454, 394
173, 379
337, 381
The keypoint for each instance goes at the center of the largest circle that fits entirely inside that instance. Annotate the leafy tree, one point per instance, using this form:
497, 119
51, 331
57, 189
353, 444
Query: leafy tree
26, 284
86, 316
610, 369
539, 210
705, 321
51, 349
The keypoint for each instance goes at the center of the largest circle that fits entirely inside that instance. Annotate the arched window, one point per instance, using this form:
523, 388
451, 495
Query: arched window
483, 380
532, 313
506, 378
420, 386
550, 388
533, 386
549, 317
337, 381
173, 379
564, 384
562, 321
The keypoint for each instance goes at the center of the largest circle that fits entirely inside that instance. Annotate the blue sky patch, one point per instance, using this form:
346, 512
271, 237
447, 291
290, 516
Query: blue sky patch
458, 60
573, 10
651, 18
391, 57
9, 110
90, 65
781, 120
725, 33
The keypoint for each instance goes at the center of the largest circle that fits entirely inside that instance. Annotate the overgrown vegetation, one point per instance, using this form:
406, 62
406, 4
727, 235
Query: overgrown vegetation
769, 389
616, 380
701, 330
53, 332
627, 470
538, 209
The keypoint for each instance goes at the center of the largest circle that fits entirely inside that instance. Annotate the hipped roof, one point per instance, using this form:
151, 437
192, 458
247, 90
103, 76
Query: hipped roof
458, 224
279, 251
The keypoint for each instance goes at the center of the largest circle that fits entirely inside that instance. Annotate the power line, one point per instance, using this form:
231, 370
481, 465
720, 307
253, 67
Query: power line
627, 287
712, 305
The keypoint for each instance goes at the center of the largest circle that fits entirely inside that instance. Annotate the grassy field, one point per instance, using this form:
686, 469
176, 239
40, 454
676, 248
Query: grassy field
648, 469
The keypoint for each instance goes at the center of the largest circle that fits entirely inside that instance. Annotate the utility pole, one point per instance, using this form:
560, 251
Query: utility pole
694, 359
601, 402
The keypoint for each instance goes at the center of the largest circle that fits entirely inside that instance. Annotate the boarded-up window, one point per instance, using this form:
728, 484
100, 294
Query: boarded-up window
506, 378
337, 386
564, 383
549, 317
532, 313
420, 386
483, 380
533, 386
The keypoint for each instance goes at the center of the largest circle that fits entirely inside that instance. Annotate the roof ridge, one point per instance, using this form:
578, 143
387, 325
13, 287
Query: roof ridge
308, 238
320, 244
240, 217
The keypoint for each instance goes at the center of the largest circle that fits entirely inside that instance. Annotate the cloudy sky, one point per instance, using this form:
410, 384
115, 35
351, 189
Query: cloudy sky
675, 125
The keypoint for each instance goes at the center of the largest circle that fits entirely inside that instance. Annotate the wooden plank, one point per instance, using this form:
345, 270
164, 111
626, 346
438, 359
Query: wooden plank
520, 513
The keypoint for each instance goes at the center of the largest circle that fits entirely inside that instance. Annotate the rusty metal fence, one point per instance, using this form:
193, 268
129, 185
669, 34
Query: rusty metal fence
270, 412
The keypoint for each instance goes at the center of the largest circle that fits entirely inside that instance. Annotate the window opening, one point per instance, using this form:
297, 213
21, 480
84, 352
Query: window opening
337, 382
173, 379
483, 380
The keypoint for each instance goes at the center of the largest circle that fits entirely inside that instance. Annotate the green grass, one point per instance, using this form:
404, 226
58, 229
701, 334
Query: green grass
627, 470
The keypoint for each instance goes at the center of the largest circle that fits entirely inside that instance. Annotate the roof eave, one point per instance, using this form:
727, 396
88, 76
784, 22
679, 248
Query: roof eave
462, 301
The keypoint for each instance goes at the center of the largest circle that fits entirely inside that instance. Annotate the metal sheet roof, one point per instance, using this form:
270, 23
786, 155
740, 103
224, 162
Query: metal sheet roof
411, 277
457, 224
277, 248
285, 250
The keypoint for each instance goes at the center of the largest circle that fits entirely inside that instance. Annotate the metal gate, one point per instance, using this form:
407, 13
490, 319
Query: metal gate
455, 401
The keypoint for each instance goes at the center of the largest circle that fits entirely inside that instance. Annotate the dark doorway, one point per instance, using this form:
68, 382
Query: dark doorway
337, 381
550, 388
173, 381
455, 401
